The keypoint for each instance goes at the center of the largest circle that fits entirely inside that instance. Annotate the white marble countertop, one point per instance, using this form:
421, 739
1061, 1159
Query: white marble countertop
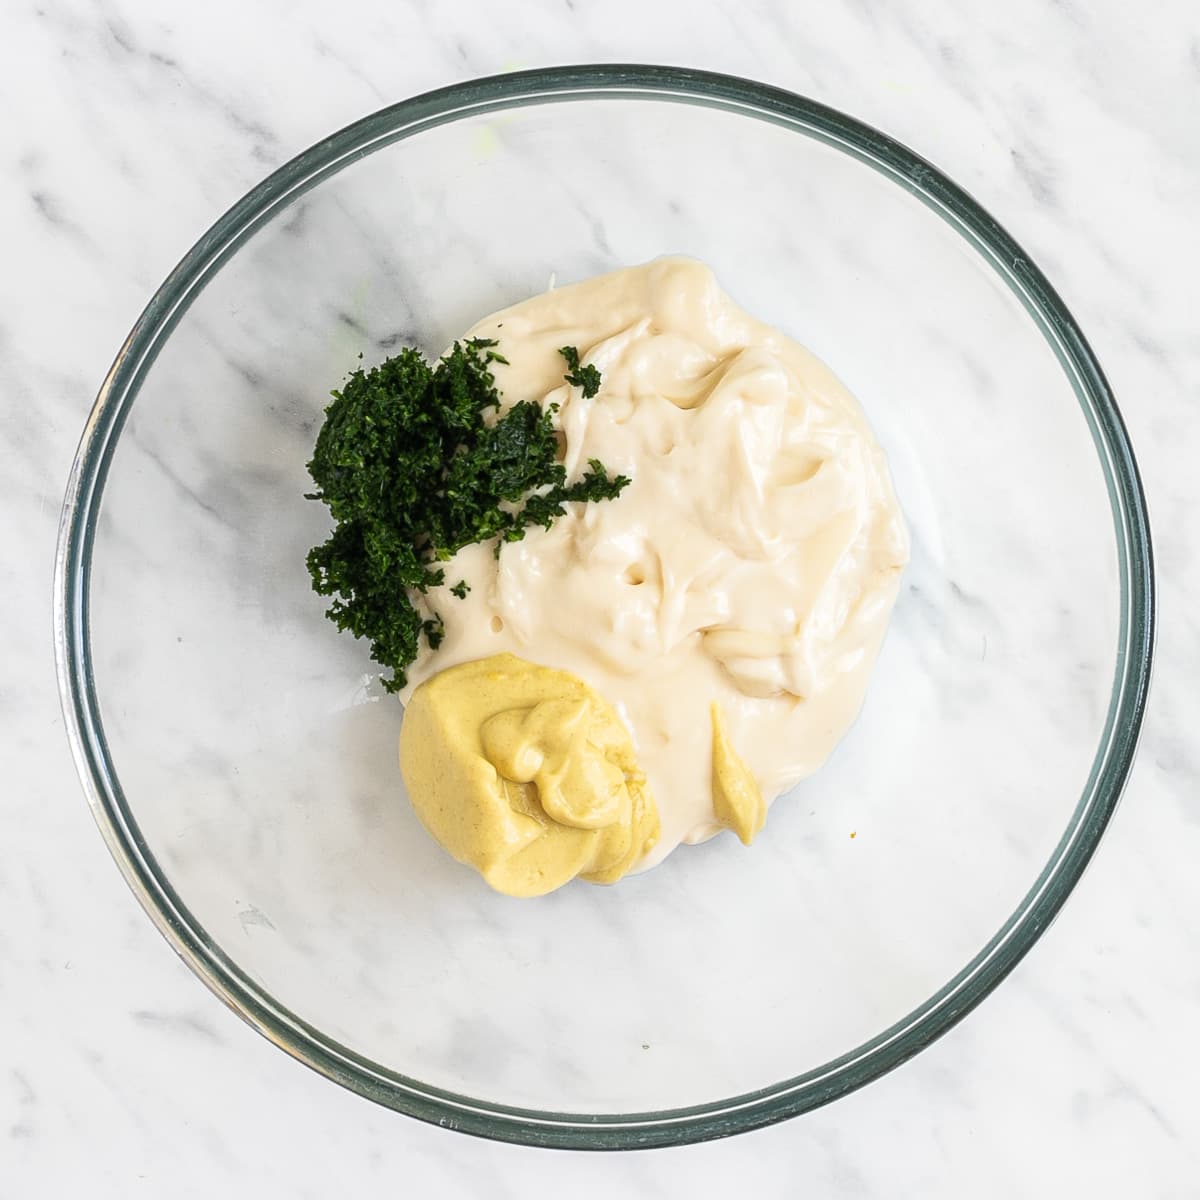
131, 125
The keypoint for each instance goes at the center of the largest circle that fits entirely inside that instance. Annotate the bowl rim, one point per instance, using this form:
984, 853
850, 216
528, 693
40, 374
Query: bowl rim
789, 1097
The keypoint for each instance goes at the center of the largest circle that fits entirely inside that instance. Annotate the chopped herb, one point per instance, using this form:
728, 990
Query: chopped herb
461, 588
411, 471
587, 378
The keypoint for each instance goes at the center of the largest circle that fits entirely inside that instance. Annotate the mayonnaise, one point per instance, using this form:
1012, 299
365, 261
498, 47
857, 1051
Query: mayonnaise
752, 562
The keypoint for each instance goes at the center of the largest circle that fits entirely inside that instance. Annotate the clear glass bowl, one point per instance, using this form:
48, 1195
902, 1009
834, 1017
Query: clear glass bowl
241, 760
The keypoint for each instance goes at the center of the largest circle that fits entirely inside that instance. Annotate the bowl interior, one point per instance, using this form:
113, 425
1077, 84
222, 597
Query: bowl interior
258, 758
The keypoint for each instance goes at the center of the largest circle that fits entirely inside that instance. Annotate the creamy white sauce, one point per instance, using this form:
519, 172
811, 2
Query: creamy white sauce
753, 560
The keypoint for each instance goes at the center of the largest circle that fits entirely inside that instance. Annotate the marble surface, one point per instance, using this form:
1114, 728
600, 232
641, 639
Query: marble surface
141, 123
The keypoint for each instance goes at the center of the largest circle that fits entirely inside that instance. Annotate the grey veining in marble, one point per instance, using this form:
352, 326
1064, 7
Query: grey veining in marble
130, 126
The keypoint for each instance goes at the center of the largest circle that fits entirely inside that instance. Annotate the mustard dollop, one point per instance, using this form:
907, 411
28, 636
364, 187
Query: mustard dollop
527, 774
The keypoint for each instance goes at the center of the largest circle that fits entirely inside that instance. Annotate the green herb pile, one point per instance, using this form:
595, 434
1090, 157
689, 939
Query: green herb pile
412, 471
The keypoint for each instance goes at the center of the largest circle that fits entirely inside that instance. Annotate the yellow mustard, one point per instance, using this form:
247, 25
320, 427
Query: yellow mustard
737, 799
526, 774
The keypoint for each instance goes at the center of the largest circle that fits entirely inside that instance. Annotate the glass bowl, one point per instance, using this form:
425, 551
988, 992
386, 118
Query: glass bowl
239, 754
